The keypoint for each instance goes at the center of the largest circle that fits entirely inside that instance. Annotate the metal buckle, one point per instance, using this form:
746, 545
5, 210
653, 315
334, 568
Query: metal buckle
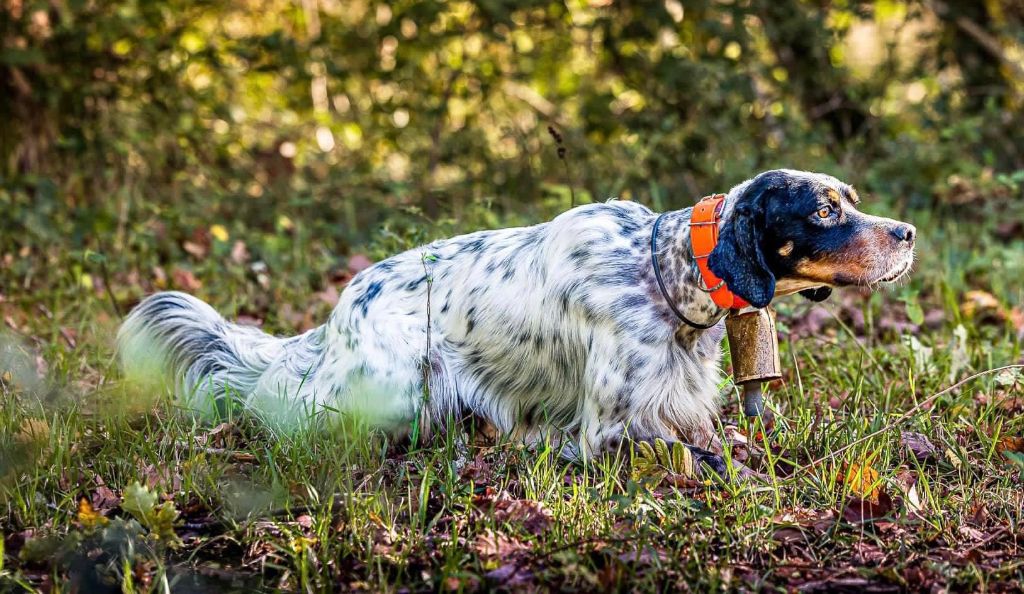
700, 280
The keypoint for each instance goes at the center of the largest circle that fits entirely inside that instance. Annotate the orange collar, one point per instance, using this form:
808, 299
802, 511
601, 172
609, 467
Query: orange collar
704, 223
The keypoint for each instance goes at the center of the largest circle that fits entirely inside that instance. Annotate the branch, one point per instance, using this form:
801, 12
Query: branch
990, 44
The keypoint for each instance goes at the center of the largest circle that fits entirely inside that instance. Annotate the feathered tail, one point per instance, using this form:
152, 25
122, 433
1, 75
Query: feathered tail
209, 360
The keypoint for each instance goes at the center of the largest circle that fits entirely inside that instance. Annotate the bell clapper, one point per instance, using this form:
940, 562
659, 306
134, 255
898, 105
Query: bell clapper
754, 347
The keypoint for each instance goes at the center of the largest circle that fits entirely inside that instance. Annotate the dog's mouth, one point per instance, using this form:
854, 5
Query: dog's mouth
895, 274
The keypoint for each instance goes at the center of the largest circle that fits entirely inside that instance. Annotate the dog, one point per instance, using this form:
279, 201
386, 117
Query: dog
559, 333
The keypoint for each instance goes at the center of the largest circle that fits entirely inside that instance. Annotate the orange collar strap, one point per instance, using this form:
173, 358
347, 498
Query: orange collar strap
703, 238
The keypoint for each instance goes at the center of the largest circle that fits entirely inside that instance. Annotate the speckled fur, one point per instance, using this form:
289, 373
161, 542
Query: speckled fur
556, 331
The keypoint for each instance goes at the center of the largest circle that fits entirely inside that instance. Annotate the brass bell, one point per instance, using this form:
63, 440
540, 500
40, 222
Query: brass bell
754, 347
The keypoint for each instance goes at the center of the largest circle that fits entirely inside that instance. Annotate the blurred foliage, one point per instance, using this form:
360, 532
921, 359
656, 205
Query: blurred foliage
131, 125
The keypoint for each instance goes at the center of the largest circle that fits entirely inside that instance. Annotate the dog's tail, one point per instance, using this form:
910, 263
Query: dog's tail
210, 361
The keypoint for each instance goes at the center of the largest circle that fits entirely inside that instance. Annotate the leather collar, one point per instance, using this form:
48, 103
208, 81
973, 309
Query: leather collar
704, 222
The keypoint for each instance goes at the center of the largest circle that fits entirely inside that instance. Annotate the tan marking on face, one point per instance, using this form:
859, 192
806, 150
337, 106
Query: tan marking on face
829, 271
870, 256
854, 198
834, 198
855, 263
788, 286
786, 249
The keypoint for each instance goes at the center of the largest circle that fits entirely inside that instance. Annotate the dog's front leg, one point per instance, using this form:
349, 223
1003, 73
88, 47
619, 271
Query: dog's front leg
620, 405
705, 435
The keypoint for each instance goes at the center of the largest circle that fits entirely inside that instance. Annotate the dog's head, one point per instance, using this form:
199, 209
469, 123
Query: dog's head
787, 231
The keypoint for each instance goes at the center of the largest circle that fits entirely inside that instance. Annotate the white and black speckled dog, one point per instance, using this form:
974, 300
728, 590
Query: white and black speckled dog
556, 331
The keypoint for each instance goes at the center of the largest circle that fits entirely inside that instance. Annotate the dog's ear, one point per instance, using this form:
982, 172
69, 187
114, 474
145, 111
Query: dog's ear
818, 294
738, 258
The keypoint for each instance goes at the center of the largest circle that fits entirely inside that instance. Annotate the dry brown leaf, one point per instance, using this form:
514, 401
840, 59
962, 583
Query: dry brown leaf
510, 574
359, 262
104, 498
1010, 444
239, 252
478, 470
982, 304
907, 482
919, 445
197, 250
531, 515
186, 280
858, 510
495, 545
789, 535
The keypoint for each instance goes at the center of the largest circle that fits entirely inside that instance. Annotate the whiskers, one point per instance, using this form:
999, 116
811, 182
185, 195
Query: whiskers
898, 279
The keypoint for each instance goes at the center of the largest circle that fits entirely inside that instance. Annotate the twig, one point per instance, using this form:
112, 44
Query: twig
105, 273
983, 38
232, 455
910, 412
561, 156
990, 43
420, 425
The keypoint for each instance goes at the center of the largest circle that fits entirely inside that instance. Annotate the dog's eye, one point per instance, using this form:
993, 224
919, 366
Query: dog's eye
824, 212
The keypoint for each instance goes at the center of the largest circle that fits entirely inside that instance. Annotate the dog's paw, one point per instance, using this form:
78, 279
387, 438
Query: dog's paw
818, 294
709, 462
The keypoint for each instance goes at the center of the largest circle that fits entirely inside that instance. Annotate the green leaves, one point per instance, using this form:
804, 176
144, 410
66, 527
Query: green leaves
913, 306
140, 502
661, 460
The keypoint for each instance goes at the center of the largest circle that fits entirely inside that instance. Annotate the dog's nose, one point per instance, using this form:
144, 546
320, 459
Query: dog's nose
904, 232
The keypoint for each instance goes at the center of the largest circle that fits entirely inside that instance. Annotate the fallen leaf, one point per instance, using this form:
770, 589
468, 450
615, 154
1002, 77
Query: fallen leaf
1008, 230
195, 249
477, 470
1016, 317
982, 305
858, 510
919, 446
1010, 444
979, 512
186, 280
104, 498
239, 252
510, 574
789, 535
907, 482
359, 262
531, 515
70, 336
863, 481
495, 545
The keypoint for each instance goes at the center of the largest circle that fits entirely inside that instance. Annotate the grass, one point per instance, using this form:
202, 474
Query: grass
332, 507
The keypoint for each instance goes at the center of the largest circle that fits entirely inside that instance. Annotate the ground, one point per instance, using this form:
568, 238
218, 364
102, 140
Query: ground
872, 485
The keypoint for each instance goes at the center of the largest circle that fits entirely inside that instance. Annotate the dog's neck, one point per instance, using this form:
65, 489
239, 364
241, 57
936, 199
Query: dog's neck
682, 279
